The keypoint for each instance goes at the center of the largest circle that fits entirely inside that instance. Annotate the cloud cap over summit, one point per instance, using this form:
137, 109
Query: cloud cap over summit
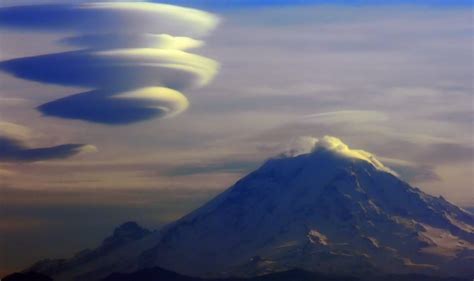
305, 145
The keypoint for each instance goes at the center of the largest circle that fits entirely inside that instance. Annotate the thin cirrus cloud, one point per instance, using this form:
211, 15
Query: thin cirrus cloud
135, 69
14, 148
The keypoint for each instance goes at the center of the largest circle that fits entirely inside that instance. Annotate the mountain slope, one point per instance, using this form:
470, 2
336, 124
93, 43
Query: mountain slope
116, 253
326, 209
333, 210
159, 274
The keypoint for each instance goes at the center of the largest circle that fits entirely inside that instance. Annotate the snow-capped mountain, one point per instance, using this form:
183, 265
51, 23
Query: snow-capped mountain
331, 210
326, 209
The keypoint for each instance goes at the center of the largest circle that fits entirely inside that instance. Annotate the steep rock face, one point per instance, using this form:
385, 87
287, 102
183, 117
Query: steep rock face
326, 211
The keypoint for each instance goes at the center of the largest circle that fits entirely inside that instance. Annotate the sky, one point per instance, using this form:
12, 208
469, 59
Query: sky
112, 112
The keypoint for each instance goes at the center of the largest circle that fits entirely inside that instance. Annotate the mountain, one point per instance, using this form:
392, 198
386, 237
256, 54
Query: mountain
333, 210
126, 242
29, 276
328, 209
159, 274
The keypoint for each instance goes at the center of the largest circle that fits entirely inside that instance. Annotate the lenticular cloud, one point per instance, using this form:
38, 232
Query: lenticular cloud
134, 58
15, 146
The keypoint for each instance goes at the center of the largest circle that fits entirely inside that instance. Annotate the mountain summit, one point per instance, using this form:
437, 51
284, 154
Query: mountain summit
333, 209
320, 207
307, 145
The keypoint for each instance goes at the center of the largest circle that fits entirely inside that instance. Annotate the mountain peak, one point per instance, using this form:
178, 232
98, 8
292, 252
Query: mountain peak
127, 231
321, 207
333, 145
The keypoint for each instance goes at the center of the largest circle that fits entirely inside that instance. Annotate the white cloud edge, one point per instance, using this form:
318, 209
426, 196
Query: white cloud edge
308, 144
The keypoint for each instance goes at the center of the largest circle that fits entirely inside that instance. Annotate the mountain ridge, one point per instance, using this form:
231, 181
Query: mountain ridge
159, 274
321, 207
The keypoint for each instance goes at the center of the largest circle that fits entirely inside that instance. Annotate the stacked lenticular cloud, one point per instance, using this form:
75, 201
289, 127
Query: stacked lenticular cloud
133, 57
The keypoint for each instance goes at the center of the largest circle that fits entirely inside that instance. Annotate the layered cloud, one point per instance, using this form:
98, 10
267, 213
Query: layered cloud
117, 69
108, 17
113, 40
132, 65
123, 108
14, 147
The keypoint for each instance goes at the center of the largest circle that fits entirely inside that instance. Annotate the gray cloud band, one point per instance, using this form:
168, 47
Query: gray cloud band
14, 151
134, 74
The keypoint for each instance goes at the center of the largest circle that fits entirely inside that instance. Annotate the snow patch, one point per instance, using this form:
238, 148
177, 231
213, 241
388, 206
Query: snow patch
317, 237
442, 242
374, 242
465, 227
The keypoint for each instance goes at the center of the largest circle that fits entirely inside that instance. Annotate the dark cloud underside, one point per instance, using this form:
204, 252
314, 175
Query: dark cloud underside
100, 107
14, 151
108, 17
84, 69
